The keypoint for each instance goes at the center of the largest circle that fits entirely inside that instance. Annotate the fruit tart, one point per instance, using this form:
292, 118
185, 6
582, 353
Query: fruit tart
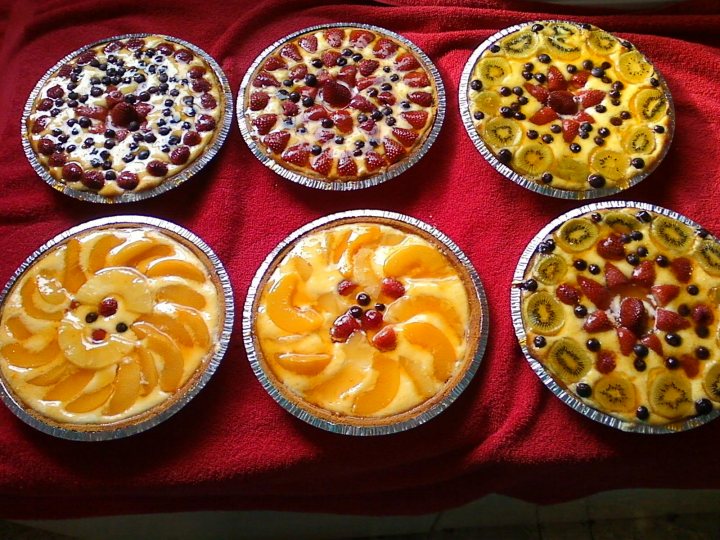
112, 327
566, 109
617, 304
126, 118
366, 323
341, 106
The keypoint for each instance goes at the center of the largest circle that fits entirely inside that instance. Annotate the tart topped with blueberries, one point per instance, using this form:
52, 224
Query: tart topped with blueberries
118, 119
567, 108
340, 104
367, 323
620, 306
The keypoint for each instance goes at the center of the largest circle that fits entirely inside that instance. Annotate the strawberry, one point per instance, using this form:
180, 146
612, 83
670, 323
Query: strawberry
113, 97
87, 57
555, 80
597, 321
605, 362
297, 155
309, 43
682, 269
361, 104
330, 58
348, 74
291, 51
367, 67
371, 319
393, 150
265, 79
65, 71
347, 166
46, 146
384, 48
614, 277
323, 164
334, 36
579, 79
191, 138
406, 62
180, 155
611, 247
690, 365
632, 314
290, 108
385, 339
336, 94
368, 125
142, 110
277, 141
308, 91
386, 98
644, 274
664, 294
570, 129
590, 98
324, 135
702, 315
627, 340
316, 112
40, 124
197, 72
207, 101
166, 49
669, 321
57, 159
135, 43
157, 168
128, 180
343, 327
562, 102
264, 123
583, 117
598, 295
416, 79
361, 38
298, 72
346, 287
343, 121
273, 63
543, 116
99, 113
567, 294
652, 342
55, 92
538, 92
424, 99
373, 161
392, 287
406, 136
183, 55
362, 84
416, 119
122, 114
205, 123
96, 129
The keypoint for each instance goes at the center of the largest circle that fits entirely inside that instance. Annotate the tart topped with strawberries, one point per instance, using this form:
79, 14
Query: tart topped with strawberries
620, 307
126, 118
567, 109
334, 105
367, 322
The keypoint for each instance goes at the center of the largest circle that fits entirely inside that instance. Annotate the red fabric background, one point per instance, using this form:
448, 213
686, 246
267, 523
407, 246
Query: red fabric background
232, 447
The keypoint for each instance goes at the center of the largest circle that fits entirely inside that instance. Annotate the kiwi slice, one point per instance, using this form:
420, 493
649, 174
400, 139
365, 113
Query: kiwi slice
543, 313
568, 360
533, 159
633, 67
571, 169
502, 132
520, 44
711, 382
562, 40
611, 164
707, 253
614, 393
650, 104
493, 71
639, 140
671, 234
577, 234
620, 221
601, 42
550, 269
670, 393
487, 102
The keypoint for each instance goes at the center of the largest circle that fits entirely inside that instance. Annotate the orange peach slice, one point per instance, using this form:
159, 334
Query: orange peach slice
284, 314
27, 292
91, 401
148, 371
17, 328
428, 337
173, 365
170, 326
127, 389
182, 295
80, 349
99, 252
385, 389
417, 261
53, 375
405, 308
336, 244
70, 386
303, 364
423, 380
175, 267
137, 252
365, 239
334, 388
74, 275
51, 290
18, 356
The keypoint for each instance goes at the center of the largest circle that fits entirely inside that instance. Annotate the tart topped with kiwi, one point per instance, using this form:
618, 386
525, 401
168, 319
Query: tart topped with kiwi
566, 109
619, 305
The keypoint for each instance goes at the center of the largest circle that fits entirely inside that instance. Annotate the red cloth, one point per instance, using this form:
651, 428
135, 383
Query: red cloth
232, 447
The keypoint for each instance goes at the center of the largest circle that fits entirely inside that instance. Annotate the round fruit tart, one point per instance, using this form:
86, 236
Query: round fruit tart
126, 118
111, 328
366, 324
341, 106
566, 109
619, 305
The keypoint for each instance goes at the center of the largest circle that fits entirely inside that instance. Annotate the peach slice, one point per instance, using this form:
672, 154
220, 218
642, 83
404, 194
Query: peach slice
52, 375
423, 380
284, 314
127, 388
385, 389
18, 356
173, 365
407, 307
195, 324
137, 252
301, 266
74, 275
27, 292
80, 349
182, 295
148, 371
70, 386
91, 401
170, 326
364, 274
51, 290
417, 261
431, 339
100, 250
336, 244
365, 239
334, 388
125, 283
17, 328
175, 267
303, 364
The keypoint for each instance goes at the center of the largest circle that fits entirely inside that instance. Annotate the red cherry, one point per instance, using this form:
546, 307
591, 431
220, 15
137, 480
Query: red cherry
346, 287
605, 362
108, 307
93, 180
392, 288
98, 334
371, 319
192, 138
385, 339
128, 180
180, 155
72, 172
46, 146
157, 168
343, 327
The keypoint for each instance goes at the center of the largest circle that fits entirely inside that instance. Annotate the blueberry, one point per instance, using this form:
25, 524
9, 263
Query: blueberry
583, 390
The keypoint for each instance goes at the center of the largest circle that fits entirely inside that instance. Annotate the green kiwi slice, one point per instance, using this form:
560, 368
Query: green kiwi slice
502, 132
670, 394
614, 393
550, 269
493, 71
708, 256
543, 313
568, 360
577, 234
611, 164
601, 42
562, 40
533, 159
639, 140
620, 221
711, 382
633, 67
671, 234
651, 104
520, 44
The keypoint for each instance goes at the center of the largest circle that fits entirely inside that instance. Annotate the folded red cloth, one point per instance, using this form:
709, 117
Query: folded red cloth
233, 447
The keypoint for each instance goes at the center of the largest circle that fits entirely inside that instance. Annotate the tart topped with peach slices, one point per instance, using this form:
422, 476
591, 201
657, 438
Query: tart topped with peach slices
620, 306
125, 116
338, 104
108, 328
366, 323
567, 108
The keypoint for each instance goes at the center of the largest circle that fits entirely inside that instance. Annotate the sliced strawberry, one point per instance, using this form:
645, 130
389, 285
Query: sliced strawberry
361, 38
308, 91
316, 112
343, 121
614, 277
323, 163
579, 79
555, 80
99, 113
324, 135
598, 295
543, 116
297, 155
265, 79
367, 67
583, 117
368, 125
393, 150
702, 315
277, 141
384, 48
258, 101
362, 84
563, 102
644, 274
597, 321
682, 269
197, 72
373, 161
330, 58
605, 362
611, 248
298, 72
361, 104
538, 92
664, 294
40, 124
87, 57
309, 43
348, 75
205, 123
416, 119
336, 94
406, 136
290, 108
406, 62
652, 342
334, 36
57, 159
183, 55
122, 114
323, 76
96, 129
264, 123
416, 79
570, 129
273, 63
669, 321
590, 98
347, 166
386, 98
46, 146
424, 99
633, 314
385, 339
627, 340
567, 294
180, 155
690, 365
290, 51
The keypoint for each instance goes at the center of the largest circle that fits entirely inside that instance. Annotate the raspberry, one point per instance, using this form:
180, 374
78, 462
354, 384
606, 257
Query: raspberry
45, 104
72, 172
40, 124
128, 180
371, 319
605, 362
343, 327
385, 339
346, 287
392, 287
157, 168
192, 138
180, 155
135, 43
58, 159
